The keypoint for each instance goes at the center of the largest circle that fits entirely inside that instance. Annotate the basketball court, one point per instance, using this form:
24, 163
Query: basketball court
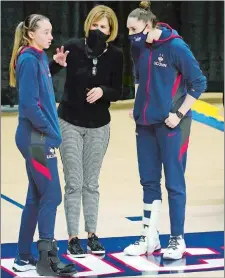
121, 206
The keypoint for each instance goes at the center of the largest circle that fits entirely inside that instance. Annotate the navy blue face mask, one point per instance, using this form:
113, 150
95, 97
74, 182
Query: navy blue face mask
139, 39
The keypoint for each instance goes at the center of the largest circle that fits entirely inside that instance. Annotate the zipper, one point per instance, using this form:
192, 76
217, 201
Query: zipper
147, 88
46, 73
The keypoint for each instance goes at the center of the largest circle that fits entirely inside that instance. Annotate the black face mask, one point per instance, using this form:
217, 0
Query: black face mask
96, 41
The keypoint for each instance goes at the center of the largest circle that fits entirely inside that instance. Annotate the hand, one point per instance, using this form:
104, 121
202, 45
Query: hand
172, 121
131, 114
60, 56
94, 94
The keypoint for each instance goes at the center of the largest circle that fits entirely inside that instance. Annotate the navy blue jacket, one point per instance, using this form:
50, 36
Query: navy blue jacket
37, 106
166, 72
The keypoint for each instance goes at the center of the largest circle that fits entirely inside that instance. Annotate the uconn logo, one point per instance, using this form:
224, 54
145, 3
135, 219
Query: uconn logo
160, 63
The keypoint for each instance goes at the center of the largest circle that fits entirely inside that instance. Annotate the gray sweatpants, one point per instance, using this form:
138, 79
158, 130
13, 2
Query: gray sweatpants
82, 152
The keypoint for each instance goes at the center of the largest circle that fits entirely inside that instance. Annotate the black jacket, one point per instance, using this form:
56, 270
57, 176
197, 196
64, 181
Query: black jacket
74, 107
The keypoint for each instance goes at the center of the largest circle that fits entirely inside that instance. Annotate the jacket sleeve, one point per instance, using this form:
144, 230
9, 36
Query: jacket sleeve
55, 67
114, 92
29, 96
188, 66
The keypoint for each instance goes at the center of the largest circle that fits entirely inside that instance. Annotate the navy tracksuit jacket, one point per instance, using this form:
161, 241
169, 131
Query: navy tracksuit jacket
37, 136
166, 72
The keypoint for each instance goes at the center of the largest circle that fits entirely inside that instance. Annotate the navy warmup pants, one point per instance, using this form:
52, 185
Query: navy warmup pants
44, 191
156, 145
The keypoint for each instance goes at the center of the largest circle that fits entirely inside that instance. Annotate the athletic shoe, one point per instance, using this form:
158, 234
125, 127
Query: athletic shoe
74, 248
94, 246
24, 265
176, 248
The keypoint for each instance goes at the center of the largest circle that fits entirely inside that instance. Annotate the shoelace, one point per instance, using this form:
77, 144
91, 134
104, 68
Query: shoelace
76, 243
141, 239
95, 242
173, 243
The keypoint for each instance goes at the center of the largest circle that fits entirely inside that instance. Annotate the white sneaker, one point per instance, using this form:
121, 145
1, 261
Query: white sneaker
138, 248
142, 246
149, 241
176, 248
21, 265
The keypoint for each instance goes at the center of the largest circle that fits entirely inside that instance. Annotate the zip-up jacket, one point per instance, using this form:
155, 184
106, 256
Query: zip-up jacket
166, 72
37, 106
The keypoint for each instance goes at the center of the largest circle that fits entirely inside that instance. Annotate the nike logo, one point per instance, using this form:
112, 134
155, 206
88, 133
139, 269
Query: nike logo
26, 262
171, 134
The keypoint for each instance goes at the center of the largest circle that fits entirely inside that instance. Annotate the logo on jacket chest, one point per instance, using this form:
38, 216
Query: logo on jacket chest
160, 62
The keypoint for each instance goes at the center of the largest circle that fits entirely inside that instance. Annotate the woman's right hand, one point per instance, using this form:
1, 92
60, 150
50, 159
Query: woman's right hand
60, 56
131, 114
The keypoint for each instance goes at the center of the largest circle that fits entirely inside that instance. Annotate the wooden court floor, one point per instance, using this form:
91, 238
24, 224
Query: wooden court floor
120, 190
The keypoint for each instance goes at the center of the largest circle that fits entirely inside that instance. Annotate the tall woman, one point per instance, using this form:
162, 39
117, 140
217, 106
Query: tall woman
168, 82
37, 137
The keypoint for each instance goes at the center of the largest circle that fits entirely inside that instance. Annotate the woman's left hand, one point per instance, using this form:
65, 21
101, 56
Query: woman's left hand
172, 121
94, 94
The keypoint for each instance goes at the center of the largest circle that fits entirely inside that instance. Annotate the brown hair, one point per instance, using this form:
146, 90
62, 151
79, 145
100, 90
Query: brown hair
30, 24
97, 13
144, 13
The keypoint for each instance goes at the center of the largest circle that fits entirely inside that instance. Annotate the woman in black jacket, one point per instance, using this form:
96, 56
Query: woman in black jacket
94, 78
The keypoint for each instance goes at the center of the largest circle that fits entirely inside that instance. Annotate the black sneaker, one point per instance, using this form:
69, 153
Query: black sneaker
75, 249
94, 246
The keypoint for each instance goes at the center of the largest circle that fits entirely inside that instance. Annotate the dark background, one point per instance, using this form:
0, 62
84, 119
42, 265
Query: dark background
201, 24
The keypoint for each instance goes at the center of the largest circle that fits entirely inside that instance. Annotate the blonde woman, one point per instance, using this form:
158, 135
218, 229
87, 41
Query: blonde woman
37, 136
93, 79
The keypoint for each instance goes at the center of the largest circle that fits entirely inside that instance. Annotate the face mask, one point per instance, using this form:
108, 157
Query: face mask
139, 39
96, 41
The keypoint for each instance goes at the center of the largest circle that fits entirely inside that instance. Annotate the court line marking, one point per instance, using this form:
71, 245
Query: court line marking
13, 202
207, 120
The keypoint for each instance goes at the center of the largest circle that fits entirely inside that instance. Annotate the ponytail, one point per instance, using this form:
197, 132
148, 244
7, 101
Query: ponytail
18, 44
22, 39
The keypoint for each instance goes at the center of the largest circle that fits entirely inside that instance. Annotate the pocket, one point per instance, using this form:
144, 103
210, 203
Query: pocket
37, 153
37, 137
176, 128
136, 114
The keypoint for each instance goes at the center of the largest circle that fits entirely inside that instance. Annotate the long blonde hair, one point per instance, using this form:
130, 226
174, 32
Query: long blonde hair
21, 39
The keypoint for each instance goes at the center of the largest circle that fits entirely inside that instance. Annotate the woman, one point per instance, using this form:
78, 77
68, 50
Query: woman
93, 79
168, 82
37, 136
